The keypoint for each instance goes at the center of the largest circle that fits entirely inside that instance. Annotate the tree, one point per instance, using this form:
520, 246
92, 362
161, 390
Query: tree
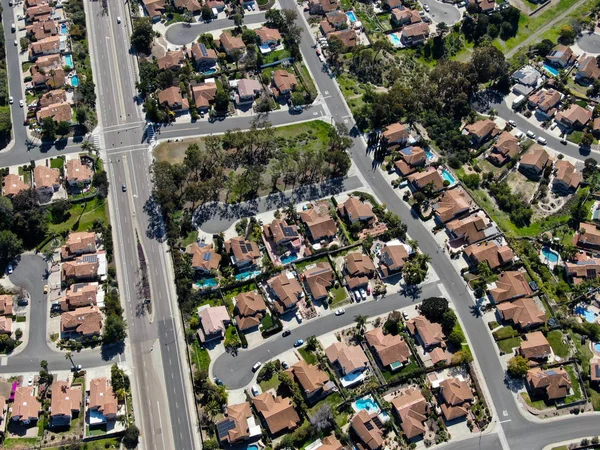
210, 444
311, 343
114, 330
143, 35
448, 321
298, 98
206, 12
489, 64
249, 37
81, 115
589, 167
6, 213
518, 366
100, 182
238, 20
462, 357
456, 338
336, 49
30, 220
361, 322
131, 437
543, 48
48, 129
221, 101
322, 419
587, 140
60, 210
472, 181
63, 128
10, 247
119, 379
434, 308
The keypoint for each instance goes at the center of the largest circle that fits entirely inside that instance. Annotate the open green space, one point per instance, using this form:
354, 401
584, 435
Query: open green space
190, 238
57, 163
555, 338
505, 333
308, 356
82, 216
507, 345
95, 445
332, 400
200, 356
12, 443
277, 55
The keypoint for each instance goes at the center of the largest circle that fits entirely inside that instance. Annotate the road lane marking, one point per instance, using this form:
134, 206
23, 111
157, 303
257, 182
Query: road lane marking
505, 413
504, 421
4, 361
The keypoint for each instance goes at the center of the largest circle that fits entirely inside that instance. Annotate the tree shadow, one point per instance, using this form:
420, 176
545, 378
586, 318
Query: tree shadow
109, 351
156, 225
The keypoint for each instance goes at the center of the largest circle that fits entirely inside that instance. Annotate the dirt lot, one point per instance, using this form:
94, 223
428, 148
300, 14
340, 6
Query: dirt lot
521, 186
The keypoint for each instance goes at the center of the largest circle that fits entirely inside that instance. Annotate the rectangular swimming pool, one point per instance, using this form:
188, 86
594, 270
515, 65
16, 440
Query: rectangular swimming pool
551, 70
351, 16
448, 176
69, 61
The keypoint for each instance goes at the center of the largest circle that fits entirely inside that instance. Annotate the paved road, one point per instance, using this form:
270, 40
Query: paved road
443, 12
178, 34
589, 42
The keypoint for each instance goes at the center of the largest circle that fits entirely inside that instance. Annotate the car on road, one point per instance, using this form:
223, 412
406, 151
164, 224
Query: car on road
542, 141
256, 366
563, 141
512, 123
520, 135
286, 333
30, 381
285, 365
16, 43
11, 100
9, 269
255, 390
46, 289
363, 293
531, 134
21, 103
76, 368
296, 109
339, 312
118, 19
124, 187
426, 8
299, 342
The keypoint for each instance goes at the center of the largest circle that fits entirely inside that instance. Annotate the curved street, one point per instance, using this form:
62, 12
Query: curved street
443, 12
590, 43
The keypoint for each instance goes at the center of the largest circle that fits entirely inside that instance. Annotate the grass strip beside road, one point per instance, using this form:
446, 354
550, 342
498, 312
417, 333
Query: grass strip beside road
308, 356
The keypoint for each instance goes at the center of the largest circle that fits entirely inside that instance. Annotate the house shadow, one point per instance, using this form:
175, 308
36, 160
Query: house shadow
108, 352
17, 428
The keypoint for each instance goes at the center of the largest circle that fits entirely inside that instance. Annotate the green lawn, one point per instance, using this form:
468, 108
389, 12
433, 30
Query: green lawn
575, 137
190, 238
306, 78
276, 56
95, 445
507, 345
575, 386
538, 404
303, 264
200, 356
339, 295
26, 174
308, 356
505, 332
57, 163
409, 368
19, 443
271, 383
82, 216
332, 400
555, 339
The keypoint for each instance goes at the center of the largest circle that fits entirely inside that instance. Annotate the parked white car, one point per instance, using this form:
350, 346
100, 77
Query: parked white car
542, 141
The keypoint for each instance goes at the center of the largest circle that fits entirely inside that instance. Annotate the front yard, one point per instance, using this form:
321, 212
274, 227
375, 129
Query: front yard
507, 345
555, 338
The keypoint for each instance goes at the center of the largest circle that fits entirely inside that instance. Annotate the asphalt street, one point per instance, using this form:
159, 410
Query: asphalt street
589, 42
442, 12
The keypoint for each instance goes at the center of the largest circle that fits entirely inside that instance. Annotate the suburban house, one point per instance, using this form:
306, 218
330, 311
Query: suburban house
471, 229
582, 269
457, 396
411, 158
429, 334
534, 162
41, 30
214, 320
204, 95
404, 16
430, 176
65, 404
102, 400
204, 58
172, 60
83, 322
79, 243
359, 268
278, 413
527, 78
12, 184
78, 295
319, 222
392, 351
567, 179
523, 312
25, 407
535, 346
322, 6
392, 4
314, 382
574, 117
506, 148
327, 443
369, 429
38, 13
281, 233
238, 426
192, 6
59, 112
587, 70
53, 96
451, 204
551, 384
250, 308
482, 131
78, 173
247, 90
491, 252
47, 46
354, 210
231, 44
395, 135
204, 257
411, 408
284, 82
392, 259
45, 179
5, 325
268, 36
52, 77
219, 5
319, 279
485, 6
510, 285
414, 34
334, 21
6, 305
154, 9
286, 291
348, 38
545, 101
243, 253
172, 99
82, 268
561, 55
588, 236
347, 359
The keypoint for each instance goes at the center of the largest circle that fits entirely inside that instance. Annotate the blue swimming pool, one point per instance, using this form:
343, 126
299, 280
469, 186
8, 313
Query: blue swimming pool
75, 81
550, 254
429, 154
206, 282
252, 447
351, 16
69, 61
597, 346
366, 403
589, 316
448, 176
64, 29
209, 71
551, 70
395, 39
289, 258
247, 275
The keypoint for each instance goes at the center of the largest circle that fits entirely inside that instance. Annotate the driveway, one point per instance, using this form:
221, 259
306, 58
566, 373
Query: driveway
589, 43
442, 12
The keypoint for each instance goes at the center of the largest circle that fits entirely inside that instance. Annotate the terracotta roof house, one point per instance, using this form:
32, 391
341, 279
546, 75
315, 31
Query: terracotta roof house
457, 396
77, 172
391, 351
319, 222
334, 20
347, 358
204, 257
429, 334
172, 99
471, 229
102, 399
369, 429
485, 6
575, 116
204, 58
247, 90
482, 131
567, 179
284, 82
52, 97
204, 95
354, 210
154, 8
411, 408
451, 204
492, 252
78, 295
510, 285
60, 112
38, 12
439, 355
534, 162
358, 264
552, 384
82, 268
391, 4
280, 232
12, 184
5, 325
25, 407
348, 37
231, 44
278, 412
47, 80
523, 312
286, 291
243, 253
65, 404
430, 175
414, 34
41, 30
535, 346
250, 309
46, 179
392, 259
218, 4
6, 305
172, 60
588, 236
82, 322
323, 6
587, 70
561, 55
79, 243
238, 426
582, 269
319, 280
405, 16
314, 382
214, 320
327, 443
595, 370
268, 36
192, 6
545, 101
395, 134
48, 46
506, 148
48, 62
411, 158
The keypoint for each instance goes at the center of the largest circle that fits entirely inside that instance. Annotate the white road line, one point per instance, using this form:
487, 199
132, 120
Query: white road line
504, 421
162, 434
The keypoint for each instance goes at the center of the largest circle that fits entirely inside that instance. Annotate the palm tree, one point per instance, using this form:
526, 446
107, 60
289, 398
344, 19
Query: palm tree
290, 212
68, 356
361, 322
